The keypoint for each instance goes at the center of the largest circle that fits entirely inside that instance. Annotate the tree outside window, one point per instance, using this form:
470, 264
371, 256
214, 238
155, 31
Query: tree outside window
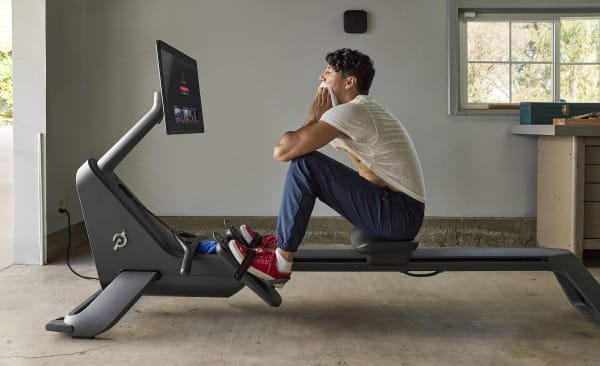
507, 62
6, 89
580, 60
6, 67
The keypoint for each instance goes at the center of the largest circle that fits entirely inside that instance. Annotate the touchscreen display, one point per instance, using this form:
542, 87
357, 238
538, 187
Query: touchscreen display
180, 90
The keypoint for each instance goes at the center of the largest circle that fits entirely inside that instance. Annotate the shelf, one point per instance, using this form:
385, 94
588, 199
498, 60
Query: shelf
552, 130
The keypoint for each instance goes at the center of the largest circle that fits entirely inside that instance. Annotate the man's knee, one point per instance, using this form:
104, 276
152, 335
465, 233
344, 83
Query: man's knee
305, 166
305, 161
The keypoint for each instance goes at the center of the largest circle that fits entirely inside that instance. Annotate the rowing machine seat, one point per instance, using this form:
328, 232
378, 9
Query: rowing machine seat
382, 252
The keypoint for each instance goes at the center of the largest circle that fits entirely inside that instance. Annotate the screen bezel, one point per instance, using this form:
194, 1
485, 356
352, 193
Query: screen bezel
161, 46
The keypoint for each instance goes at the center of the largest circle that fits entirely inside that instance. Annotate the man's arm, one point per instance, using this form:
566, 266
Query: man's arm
313, 135
307, 139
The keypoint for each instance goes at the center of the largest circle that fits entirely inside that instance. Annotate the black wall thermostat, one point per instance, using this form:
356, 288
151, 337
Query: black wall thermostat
355, 21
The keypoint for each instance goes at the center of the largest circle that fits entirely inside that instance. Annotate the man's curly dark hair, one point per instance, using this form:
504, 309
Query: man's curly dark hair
353, 63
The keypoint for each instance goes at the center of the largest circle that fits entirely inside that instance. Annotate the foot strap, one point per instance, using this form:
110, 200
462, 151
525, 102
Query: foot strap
256, 241
243, 268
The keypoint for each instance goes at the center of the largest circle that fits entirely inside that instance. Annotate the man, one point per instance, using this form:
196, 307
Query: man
385, 198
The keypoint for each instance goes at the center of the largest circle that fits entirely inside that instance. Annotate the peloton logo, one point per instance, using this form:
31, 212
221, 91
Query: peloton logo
119, 240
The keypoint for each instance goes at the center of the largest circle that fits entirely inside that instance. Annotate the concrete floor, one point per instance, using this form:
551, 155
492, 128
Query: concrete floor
326, 319
6, 197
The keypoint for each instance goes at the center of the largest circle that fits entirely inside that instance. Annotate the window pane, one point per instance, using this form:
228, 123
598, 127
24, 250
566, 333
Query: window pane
487, 41
488, 83
531, 83
580, 40
531, 41
580, 83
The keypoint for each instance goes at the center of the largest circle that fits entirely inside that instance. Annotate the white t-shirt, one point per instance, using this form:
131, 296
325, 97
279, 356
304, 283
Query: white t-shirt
380, 142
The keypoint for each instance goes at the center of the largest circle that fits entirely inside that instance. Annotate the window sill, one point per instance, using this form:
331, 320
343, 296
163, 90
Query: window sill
486, 112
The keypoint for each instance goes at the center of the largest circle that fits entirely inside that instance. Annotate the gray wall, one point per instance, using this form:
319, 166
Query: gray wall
259, 62
68, 126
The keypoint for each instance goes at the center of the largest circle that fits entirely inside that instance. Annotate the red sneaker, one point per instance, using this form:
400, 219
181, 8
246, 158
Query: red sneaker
268, 241
264, 265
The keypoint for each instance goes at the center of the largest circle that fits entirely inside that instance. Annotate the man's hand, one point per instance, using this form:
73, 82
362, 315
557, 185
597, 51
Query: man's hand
321, 103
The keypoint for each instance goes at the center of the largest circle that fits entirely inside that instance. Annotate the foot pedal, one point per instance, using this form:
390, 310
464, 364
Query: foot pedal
264, 290
223, 242
233, 233
277, 283
243, 267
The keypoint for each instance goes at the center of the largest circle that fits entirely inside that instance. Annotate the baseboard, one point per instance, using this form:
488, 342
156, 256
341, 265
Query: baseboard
436, 231
57, 241
508, 232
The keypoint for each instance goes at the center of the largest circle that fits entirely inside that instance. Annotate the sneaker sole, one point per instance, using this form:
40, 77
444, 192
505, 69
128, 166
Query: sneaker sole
240, 258
278, 285
245, 234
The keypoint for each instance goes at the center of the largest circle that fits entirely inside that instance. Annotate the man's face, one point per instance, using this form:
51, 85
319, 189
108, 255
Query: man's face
334, 79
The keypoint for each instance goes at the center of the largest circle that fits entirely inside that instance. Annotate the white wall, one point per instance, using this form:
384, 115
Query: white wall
6, 197
29, 101
258, 63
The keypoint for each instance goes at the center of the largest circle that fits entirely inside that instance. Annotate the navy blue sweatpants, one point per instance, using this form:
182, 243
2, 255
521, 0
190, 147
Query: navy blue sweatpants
377, 211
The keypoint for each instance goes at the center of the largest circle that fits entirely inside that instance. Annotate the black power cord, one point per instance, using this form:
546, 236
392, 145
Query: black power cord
65, 211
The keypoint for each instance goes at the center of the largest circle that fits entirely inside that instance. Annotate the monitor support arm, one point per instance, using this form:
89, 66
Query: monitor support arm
123, 147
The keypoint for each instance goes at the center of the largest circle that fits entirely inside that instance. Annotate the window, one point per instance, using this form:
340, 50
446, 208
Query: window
508, 56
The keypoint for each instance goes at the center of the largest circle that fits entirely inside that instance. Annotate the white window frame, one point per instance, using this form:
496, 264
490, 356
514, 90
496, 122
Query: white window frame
508, 10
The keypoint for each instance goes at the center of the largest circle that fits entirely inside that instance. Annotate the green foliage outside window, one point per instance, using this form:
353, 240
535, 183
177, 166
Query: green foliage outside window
580, 46
512, 61
6, 88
